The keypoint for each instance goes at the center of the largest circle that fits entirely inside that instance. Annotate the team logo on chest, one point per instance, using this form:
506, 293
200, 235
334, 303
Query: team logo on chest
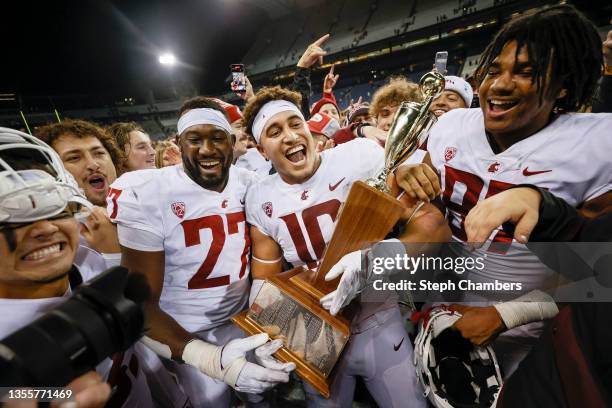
224, 204
304, 195
267, 207
449, 153
494, 167
178, 208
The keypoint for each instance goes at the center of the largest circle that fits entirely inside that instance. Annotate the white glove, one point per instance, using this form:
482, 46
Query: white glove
263, 357
228, 364
353, 281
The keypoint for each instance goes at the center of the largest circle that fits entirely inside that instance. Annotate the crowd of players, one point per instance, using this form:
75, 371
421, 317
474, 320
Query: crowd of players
241, 195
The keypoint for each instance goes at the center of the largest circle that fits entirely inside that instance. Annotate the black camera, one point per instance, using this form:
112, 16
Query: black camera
103, 316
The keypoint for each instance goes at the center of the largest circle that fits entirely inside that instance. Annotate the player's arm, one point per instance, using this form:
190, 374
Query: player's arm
161, 327
266, 259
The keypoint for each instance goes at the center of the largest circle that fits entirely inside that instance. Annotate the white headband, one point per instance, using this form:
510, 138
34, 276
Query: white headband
203, 116
267, 111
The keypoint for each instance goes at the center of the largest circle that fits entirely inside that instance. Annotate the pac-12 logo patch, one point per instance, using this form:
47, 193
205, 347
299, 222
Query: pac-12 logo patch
267, 207
178, 208
449, 153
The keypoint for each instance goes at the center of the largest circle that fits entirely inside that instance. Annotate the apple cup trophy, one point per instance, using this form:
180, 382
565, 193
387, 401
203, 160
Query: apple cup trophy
287, 305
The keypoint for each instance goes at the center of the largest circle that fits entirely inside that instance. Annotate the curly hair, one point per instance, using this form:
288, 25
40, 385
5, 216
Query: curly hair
263, 96
200, 102
397, 90
121, 132
559, 37
80, 129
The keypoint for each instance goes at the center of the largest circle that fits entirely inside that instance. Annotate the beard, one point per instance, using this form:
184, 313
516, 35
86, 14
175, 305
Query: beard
209, 182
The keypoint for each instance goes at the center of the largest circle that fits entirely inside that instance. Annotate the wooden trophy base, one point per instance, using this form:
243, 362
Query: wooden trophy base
340, 325
290, 299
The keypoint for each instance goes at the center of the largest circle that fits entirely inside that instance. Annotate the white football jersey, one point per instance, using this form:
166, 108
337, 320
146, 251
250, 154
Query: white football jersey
254, 161
569, 157
300, 217
203, 234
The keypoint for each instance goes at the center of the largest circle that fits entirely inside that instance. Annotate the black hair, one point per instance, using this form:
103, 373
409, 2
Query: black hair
200, 102
559, 37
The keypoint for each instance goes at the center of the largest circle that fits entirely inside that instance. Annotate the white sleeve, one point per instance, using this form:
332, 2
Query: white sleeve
254, 211
133, 217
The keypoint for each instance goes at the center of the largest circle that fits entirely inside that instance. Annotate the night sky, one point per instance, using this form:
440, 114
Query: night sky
111, 47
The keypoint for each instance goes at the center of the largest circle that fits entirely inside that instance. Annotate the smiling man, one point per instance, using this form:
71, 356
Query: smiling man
88, 153
292, 215
539, 69
184, 228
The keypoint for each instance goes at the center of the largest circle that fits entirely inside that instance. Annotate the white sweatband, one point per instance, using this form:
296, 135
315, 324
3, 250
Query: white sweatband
203, 116
268, 111
534, 306
112, 259
255, 287
206, 357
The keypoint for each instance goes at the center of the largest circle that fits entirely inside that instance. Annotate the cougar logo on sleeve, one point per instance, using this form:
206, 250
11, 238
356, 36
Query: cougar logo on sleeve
449, 153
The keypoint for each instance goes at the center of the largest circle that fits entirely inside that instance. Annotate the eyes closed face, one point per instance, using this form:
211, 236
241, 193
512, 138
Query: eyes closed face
288, 144
207, 155
448, 100
384, 120
43, 252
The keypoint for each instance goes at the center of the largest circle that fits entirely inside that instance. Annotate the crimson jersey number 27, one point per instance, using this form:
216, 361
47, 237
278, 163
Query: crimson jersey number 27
192, 228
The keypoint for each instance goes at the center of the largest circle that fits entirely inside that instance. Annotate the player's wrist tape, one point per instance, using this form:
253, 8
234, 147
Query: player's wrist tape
206, 357
531, 307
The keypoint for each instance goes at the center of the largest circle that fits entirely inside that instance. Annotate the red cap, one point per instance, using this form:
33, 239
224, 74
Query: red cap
323, 124
318, 104
232, 111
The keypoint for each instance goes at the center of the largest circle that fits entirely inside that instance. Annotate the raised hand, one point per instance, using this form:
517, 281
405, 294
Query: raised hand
313, 53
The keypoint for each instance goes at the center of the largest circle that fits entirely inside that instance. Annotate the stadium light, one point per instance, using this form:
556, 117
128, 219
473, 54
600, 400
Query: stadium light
167, 59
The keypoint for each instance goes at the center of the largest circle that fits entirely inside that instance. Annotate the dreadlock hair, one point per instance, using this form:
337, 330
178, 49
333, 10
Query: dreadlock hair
561, 42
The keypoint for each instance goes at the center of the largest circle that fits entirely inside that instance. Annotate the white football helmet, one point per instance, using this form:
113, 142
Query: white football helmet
38, 191
453, 372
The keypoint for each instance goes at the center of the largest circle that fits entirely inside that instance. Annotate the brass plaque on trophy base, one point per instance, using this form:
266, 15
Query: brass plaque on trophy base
313, 338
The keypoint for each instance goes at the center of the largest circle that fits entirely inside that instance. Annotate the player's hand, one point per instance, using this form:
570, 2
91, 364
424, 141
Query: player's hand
248, 92
100, 233
607, 48
313, 54
520, 206
263, 357
329, 144
253, 378
480, 325
172, 155
353, 281
330, 80
419, 181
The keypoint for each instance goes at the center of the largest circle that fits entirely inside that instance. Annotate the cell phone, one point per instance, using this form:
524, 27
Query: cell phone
440, 62
238, 79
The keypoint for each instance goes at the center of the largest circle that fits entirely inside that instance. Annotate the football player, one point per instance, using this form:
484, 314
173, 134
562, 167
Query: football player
292, 216
39, 241
539, 69
184, 228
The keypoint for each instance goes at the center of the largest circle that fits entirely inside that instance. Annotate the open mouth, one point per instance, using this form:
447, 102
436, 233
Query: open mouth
97, 181
210, 164
46, 252
296, 154
439, 112
498, 106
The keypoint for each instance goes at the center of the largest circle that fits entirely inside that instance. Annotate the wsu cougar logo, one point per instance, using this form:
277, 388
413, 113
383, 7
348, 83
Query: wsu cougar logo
178, 208
494, 167
449, 153
267, 207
